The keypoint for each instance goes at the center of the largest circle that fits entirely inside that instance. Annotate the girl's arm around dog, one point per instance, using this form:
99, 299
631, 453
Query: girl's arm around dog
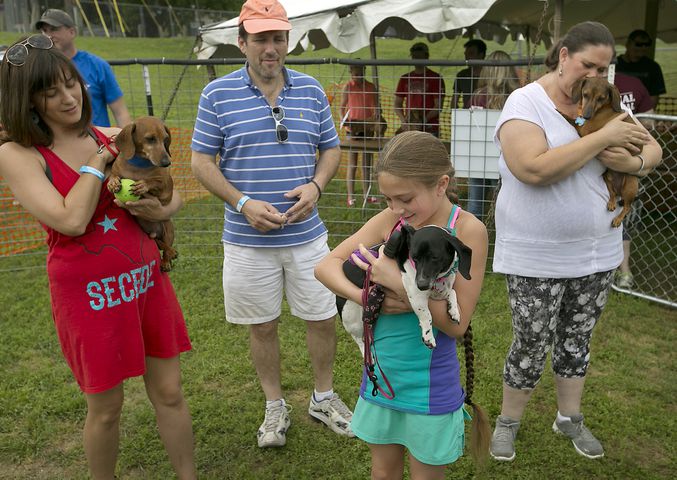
330, 270
473, 233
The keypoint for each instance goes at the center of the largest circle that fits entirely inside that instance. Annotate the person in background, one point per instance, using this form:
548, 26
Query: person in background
419, 95
115, 311
102, 87
467, 80
265, 123
636, 97
636, 63
495, 84
360, 109
425, 415
554, 239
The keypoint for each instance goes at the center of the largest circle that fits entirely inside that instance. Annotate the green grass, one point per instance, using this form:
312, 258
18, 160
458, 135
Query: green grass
629, 399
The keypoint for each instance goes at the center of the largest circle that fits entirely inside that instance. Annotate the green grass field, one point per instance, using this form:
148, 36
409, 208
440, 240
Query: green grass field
629, 400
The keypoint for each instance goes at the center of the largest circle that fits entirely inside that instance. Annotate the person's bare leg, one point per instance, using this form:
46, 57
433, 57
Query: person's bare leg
321, 340
569, 395
350, 175
102, 432
163, 386
387, 461
423, 471
514, 401
265, 352
366, 174
625, 263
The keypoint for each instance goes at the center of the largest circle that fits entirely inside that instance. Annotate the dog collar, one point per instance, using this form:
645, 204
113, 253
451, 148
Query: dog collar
579, 121
140, 162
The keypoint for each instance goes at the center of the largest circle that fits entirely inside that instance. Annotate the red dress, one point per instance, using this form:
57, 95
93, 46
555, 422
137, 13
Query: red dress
112, 305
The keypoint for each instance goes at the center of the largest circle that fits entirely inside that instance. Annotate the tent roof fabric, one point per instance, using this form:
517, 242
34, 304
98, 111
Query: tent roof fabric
349, 24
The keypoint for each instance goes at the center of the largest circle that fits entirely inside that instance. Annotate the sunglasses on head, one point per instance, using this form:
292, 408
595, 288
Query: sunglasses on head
17, 54
281, 131
643, 44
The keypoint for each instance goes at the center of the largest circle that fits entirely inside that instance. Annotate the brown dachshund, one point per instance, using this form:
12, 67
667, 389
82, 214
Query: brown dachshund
144, 158
599, 102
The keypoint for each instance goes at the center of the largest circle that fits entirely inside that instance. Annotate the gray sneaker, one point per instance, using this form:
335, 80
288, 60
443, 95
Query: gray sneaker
273, 430
333, 413
584, 441
503, 439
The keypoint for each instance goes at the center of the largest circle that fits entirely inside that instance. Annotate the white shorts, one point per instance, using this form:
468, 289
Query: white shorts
254, 280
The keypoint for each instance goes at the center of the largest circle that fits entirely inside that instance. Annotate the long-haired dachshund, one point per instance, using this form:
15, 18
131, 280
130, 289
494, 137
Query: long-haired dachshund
598, 102
144, 157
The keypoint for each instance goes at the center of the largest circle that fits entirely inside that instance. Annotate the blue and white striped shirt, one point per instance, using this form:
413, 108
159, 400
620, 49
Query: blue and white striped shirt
235, 119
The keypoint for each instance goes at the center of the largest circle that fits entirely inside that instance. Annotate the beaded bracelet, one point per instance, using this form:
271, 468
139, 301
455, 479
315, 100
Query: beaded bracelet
319, 190
94, 171
241, 202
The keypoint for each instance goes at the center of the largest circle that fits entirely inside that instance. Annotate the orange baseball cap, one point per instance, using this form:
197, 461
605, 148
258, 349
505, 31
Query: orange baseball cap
264, 16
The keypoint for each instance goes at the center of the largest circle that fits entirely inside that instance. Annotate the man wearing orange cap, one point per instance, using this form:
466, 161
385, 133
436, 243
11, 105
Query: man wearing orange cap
266, 123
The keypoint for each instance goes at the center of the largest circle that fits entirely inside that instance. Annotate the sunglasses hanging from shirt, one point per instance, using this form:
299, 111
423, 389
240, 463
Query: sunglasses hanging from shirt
18, 54
281, 131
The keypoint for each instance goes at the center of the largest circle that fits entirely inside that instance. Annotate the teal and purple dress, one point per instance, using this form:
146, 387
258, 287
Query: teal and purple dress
426, 414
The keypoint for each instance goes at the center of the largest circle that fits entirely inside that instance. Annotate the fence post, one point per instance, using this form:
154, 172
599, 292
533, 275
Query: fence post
149, 96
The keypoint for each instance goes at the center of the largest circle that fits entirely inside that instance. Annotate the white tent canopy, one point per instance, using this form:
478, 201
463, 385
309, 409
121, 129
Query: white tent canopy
349, 25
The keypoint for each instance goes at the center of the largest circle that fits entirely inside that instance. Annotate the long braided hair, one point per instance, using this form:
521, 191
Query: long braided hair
423, 158
481, 433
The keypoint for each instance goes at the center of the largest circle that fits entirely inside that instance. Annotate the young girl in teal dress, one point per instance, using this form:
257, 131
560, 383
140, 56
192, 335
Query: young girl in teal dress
426, 415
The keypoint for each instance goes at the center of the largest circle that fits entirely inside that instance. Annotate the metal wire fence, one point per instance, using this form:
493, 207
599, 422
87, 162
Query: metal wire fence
171, 88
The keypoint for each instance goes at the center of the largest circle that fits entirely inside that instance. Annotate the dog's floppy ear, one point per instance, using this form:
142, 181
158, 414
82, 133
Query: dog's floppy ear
168, 140
125, 141
397, 246
464, 253
615, 98
577, 90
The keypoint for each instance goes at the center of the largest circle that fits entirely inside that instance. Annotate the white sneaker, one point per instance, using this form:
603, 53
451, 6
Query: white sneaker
333, 413
273, 430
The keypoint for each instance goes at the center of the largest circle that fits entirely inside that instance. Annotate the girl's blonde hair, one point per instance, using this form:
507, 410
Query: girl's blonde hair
498, 81
418, 156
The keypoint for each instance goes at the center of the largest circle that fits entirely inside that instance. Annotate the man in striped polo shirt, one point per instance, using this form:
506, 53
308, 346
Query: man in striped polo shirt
266, 123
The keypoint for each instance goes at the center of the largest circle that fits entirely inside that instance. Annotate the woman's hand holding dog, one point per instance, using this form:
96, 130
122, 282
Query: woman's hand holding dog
626, 140
149, 207
621, 133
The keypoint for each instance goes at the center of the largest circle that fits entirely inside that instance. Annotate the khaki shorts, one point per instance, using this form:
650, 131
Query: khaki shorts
254, 280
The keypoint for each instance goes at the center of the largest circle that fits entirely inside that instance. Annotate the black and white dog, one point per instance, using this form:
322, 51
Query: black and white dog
426, 259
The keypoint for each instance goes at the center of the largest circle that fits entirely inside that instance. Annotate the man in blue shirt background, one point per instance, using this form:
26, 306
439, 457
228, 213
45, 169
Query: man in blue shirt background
102, 87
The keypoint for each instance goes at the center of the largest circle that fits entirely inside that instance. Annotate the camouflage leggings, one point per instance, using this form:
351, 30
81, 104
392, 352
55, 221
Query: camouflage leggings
552, 313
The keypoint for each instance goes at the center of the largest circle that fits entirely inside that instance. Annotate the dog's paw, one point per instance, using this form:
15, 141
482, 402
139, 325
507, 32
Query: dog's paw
429, 339
453, 312
139, 188
611, 205
114, 185
616, 222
